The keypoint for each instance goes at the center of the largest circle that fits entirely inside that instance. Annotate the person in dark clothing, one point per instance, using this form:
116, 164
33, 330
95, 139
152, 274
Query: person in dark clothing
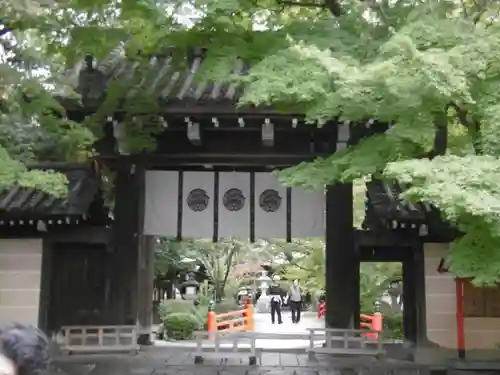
24, 350
276, 302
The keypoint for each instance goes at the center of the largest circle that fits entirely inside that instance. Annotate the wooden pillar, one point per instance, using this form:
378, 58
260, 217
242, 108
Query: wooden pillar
45, 289
459, 283
420, 305
414, 312
409, 299
342, 260
128, 218
145, 286
342, 256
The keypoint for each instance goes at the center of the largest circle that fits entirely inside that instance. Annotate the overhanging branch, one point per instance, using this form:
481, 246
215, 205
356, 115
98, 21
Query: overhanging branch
461, 115
441, 134
311, 4
332, 5
472, 125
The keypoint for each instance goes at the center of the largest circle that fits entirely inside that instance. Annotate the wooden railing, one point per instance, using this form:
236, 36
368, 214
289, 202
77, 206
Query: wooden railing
233, 321
345, 342
98, 339
331, 341
372, 323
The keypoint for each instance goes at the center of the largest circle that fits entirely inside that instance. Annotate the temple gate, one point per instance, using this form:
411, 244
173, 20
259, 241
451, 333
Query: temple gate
210, 176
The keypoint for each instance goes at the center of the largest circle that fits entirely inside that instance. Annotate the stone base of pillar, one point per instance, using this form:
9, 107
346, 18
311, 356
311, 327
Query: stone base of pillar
145, 339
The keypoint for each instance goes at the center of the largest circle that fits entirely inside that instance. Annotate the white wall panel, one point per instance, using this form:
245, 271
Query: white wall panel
269, 224
234, 222
308, 213
198, 224
20, 279
161, 203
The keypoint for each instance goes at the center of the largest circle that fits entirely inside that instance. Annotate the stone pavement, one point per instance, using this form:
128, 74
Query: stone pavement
162, 361
177, 358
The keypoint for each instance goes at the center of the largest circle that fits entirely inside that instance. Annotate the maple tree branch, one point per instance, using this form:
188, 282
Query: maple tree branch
464, 8
334, 7
441, 134
481, 8
472, 125
301, 3
301, 267
461, 115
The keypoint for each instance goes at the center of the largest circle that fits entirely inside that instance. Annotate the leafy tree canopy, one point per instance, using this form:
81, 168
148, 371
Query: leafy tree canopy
417, 64
217, 259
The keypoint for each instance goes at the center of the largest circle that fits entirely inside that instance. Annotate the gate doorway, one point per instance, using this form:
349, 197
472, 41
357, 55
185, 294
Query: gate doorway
381, 290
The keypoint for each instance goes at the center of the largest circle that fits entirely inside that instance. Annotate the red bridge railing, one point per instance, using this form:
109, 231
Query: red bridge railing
233, 321
373, 322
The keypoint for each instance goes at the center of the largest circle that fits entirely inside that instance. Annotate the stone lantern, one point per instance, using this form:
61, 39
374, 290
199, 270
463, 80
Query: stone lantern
263, 281
190, 288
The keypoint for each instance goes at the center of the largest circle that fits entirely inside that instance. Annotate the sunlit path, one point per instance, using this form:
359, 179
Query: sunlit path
263, 325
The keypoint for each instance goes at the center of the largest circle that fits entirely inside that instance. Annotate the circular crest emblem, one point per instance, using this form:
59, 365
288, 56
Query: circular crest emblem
197, 200
233, 200
270, 200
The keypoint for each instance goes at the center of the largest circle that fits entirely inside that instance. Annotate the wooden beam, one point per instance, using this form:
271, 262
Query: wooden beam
384, 253
234, 160
193, 132
367, 238
221, 141
267, 133
228, 108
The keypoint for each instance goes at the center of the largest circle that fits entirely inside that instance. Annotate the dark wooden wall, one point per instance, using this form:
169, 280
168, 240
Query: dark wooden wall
78, 278
79, 286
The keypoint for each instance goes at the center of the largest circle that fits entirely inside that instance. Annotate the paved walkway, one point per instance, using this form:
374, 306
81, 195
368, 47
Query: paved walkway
162, 361
177, 358
263, 325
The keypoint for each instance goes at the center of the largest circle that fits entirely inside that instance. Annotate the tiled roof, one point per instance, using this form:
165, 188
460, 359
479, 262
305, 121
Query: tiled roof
386, 200
176, 84
385, 209
27, 203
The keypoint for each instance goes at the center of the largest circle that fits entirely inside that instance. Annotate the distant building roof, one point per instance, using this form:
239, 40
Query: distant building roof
386, 209
20, 205
173, 78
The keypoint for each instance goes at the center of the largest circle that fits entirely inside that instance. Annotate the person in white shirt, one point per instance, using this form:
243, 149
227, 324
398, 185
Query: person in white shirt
295, 300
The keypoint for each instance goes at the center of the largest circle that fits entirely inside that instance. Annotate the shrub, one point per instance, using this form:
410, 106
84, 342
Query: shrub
204, 299
201, 313
225, 306
393, 326
198, 311
181, 325
171, 306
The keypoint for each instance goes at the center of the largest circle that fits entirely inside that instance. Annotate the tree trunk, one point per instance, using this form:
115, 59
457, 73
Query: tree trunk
394, 302
170, 290
219, 290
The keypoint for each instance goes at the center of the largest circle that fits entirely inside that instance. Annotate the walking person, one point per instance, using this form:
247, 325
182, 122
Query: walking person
276, 302
295, 300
